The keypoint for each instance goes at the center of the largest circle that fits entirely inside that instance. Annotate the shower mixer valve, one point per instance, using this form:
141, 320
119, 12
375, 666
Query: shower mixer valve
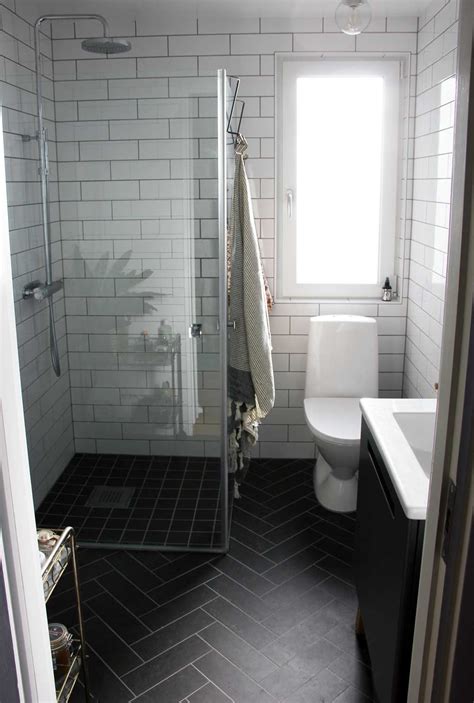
41, 291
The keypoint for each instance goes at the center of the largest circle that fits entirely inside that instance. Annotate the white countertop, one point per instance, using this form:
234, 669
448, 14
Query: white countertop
409, 480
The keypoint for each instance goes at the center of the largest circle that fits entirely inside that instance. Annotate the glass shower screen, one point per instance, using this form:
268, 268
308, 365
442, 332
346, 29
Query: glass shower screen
146, 288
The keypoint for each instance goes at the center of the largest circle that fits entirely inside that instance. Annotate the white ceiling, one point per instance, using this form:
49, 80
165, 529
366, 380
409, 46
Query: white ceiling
240, 8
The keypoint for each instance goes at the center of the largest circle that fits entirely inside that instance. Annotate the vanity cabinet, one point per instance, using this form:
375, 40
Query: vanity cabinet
387, 567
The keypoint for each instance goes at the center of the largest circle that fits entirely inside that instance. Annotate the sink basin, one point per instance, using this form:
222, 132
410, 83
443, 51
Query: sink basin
419, 429
403, 430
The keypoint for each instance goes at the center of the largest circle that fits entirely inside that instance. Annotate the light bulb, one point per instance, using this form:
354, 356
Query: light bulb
353, 16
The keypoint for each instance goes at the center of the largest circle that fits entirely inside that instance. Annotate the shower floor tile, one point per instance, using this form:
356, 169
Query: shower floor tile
175, 501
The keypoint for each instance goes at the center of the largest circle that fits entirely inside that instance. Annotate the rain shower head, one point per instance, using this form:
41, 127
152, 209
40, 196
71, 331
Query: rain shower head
106, 45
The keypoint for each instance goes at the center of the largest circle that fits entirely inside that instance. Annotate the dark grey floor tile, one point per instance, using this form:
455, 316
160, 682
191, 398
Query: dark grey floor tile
286, 482
294, 544
134, 570
346, 521
354, 672
245, 576
61, 599
231, 680
251, 522
300, 637
209, 694
175, 688
295, 587
292, 494
241, 597
176, 608
315, 657
172, 634
336, 549
152, 560
287, 616
289, 511
285, 681
253, 560
323, 688
344, 637
342, 610
105, 686
187, 582
338, 568
250, 539
118, 617
116, 584
340, 589
336, 533
240, 623
352, 695
245, 657
183, 564
291, 527
164, 665
295, 564
111, 648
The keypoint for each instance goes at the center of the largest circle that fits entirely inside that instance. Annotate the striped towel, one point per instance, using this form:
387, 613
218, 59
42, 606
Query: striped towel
251, 382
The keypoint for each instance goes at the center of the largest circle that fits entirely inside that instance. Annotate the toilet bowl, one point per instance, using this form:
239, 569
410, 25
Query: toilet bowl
342, 368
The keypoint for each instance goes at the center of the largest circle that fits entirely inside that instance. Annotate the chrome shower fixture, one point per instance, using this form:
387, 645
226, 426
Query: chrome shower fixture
106, 45
37, 290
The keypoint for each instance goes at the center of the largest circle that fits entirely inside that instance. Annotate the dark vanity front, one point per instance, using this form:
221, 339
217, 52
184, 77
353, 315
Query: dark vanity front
387, 565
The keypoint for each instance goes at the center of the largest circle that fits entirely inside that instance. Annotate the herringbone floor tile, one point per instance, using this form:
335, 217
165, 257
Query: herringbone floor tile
271, 621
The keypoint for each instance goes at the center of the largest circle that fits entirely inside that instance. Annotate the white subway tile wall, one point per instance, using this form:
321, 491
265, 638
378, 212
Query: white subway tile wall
433, 154
46, 399
136, 148
143, 148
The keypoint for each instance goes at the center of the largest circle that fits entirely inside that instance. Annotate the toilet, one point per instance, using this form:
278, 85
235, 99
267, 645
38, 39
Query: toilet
341, 368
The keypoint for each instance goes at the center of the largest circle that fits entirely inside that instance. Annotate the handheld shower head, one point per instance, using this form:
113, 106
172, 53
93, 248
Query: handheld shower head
106, 45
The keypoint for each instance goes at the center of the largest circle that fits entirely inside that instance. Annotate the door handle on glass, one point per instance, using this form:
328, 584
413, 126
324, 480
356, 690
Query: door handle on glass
289, 203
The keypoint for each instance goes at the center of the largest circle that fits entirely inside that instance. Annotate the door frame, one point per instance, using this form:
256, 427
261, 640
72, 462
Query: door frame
433, 653
22, 567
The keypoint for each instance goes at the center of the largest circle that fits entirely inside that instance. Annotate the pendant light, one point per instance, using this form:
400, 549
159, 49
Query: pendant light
353, 16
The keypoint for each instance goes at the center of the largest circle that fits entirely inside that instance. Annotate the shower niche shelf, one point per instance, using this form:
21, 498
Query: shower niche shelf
64, 555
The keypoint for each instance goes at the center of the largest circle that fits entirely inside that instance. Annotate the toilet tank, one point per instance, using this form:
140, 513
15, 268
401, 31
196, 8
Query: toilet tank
343, 358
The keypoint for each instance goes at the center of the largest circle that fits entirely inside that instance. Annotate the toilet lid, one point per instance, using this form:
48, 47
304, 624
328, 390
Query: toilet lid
335, 420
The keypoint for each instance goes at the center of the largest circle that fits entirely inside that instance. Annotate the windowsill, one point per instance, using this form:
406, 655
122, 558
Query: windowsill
339, 301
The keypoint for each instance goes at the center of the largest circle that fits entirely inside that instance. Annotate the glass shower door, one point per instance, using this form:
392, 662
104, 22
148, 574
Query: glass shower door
145, 281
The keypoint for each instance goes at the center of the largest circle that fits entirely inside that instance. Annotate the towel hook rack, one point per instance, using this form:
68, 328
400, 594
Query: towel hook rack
236, 135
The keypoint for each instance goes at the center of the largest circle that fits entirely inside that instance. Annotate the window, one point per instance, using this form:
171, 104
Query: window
338, 176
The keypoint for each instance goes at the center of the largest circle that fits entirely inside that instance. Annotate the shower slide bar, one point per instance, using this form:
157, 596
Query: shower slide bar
97, 45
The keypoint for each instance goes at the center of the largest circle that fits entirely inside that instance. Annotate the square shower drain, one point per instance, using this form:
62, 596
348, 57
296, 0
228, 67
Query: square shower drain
110, 497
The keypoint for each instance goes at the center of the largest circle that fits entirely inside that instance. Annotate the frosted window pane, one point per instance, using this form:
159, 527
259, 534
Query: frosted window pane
339, 174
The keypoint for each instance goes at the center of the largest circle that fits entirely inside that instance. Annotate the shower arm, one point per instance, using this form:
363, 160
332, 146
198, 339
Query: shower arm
42, 147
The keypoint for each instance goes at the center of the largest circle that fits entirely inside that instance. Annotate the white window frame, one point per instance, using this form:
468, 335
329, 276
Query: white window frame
395, 70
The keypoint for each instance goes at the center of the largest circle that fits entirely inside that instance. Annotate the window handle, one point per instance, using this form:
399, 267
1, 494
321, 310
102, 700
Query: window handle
289, 203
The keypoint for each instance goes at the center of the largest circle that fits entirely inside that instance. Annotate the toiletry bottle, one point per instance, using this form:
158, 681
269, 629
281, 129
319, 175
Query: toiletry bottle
164, 336
387, 290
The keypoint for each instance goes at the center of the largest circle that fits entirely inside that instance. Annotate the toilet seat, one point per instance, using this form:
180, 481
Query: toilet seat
334, 420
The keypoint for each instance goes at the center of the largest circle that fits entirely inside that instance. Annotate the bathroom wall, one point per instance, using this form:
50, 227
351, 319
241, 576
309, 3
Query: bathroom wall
436, 83
46, 399
118, 145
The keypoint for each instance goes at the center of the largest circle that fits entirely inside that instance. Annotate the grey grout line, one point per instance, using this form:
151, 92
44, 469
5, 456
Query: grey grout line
232, 664
162, 627
111, 595
147, 661
104, 663
242, 611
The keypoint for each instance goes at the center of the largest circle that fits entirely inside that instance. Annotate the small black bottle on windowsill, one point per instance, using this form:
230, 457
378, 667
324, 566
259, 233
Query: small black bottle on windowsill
387, 291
